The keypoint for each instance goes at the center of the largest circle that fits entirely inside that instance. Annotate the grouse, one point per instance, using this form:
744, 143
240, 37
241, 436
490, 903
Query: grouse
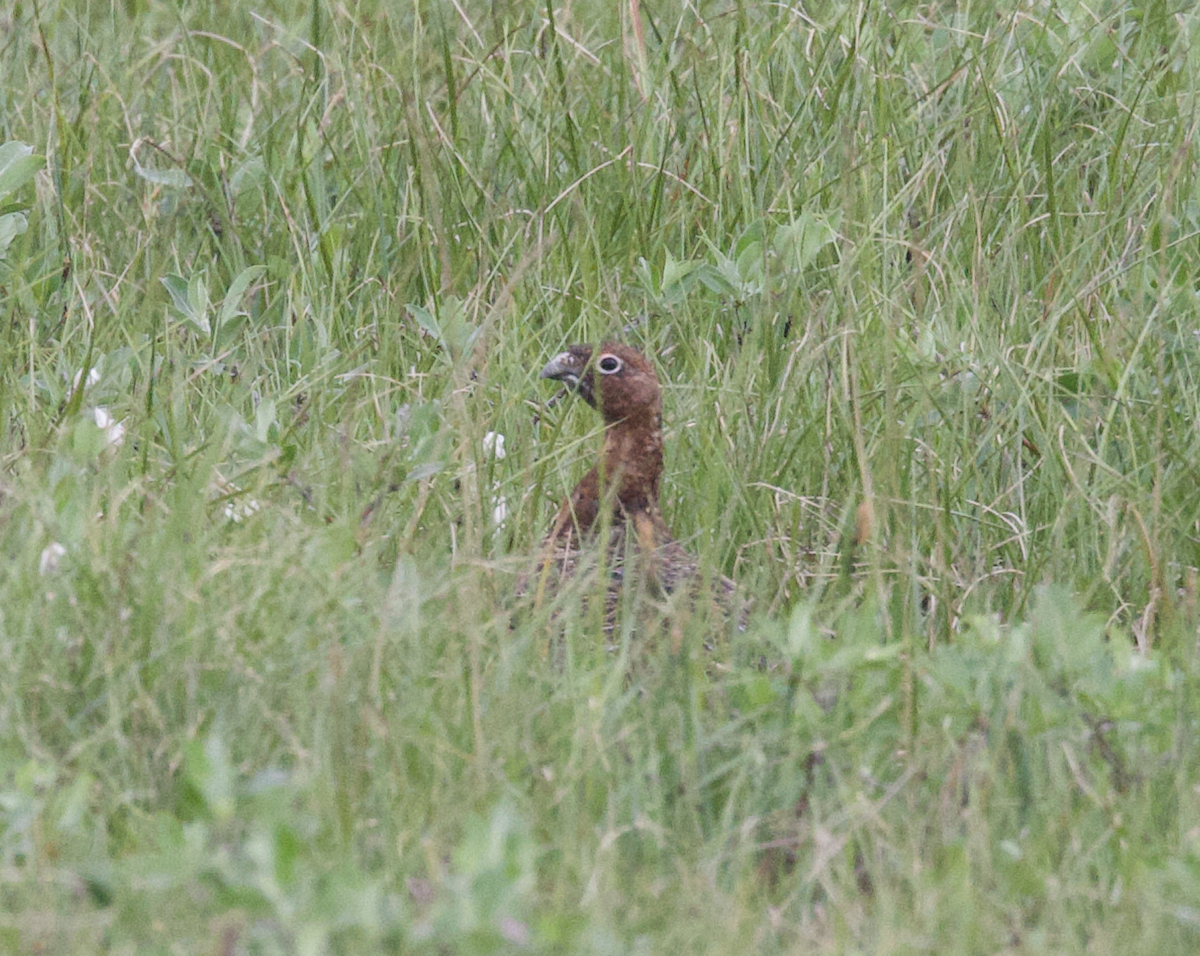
621, 493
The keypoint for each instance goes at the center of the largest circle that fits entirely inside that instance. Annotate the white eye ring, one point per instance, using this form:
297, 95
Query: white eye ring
609, 364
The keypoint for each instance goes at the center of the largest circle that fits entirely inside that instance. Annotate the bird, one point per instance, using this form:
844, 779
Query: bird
620, 494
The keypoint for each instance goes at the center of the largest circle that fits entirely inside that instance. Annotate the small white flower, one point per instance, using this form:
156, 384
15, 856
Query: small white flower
235, 507
493, 446
499, 509
51, 555
93, 376
235, 511
114, 431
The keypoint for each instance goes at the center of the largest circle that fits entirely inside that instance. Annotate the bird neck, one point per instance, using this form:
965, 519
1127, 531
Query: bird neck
633, 459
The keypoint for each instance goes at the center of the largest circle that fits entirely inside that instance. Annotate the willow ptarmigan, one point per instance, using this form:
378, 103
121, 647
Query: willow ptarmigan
621, 384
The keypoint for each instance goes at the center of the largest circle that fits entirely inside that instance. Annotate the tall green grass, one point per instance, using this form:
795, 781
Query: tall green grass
264, 686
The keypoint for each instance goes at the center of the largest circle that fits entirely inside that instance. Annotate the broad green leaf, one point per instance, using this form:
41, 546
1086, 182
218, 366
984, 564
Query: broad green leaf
679, 277
797, 243
177, 286
752, 235
198, 297
12, 151
750, 261
237, 288
450, 326
190, 298
676, 270
714, 281
18, 165
163, 177
11, 226
264, 418
426, 320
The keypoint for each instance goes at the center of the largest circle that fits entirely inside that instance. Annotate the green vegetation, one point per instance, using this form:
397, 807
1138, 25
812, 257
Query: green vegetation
271, 273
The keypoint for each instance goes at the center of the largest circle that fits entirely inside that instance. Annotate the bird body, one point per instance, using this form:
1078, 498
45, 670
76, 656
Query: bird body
621, 492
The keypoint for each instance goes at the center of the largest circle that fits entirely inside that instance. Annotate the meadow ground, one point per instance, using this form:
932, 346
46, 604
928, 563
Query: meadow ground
924, 267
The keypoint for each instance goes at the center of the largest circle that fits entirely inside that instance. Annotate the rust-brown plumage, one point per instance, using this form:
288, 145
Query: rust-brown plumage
621, 384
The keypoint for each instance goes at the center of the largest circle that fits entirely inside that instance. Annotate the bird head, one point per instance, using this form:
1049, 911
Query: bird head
615, 379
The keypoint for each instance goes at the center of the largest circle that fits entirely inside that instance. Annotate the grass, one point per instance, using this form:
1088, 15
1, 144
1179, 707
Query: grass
925, 268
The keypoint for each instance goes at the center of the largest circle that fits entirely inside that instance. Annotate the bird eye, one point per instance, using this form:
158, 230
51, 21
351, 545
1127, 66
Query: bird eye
609, 364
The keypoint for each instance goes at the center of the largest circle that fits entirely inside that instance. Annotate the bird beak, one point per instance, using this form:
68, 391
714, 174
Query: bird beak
562, 368
568, 368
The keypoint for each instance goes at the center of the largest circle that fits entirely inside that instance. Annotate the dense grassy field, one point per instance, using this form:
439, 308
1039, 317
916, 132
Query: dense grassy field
924, 270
